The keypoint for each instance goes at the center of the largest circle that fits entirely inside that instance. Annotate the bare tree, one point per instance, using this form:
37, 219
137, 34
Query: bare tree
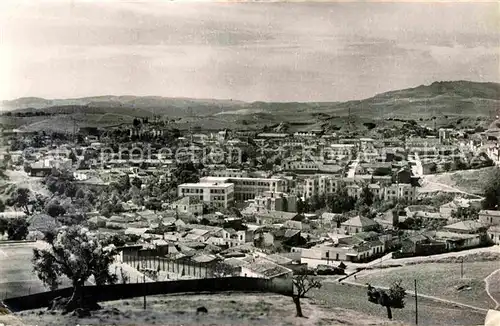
392, 298
303, 284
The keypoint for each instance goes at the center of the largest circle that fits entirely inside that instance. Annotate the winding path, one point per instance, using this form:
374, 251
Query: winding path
493, 287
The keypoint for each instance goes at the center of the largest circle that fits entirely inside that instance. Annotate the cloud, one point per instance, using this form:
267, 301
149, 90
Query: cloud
276, 51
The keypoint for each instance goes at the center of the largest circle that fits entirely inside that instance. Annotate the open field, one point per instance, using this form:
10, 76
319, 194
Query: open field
440, 280
16, 272
223, 309
470, 181
430, 312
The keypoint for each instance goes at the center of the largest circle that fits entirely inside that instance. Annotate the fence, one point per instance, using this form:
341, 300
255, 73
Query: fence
126, 291
184, 267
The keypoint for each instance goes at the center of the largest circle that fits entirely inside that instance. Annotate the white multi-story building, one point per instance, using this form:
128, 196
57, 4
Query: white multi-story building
401, 191
215, 193
280, 201
317, 185
249, 188
395, 191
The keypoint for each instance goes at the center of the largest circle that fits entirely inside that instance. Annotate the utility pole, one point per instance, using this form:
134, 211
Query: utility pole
144, 289
462, 268
416, 303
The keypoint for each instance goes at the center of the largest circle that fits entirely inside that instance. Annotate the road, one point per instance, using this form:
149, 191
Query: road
430, 312
352, 170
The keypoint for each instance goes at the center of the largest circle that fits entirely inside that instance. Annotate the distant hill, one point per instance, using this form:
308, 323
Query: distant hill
450, 102
455, 98
162, 105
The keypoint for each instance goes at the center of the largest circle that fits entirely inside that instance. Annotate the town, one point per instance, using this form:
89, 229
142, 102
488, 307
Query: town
293, 163
179, 204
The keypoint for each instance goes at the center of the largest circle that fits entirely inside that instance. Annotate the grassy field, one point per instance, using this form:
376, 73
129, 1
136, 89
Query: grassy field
223, 309
16, 271
470, 181
16, 275
440, 280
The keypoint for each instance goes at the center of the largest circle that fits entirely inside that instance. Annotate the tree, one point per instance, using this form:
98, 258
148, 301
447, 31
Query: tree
2, 206
54, 209
70, 190
186, 173
492, 191
432, 168
21, 198
300, 206
340, 201
303, 284
465, 213
392, 298
136, 182
78, 254
17, 229
72, 157
222, 269
4, 225
447, 166
366, 196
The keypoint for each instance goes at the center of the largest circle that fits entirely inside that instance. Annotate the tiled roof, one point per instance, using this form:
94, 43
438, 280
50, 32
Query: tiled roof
360, 221
465, 225
267, 268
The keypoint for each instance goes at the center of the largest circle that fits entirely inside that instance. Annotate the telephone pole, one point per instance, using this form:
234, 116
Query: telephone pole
416, 303
144, 288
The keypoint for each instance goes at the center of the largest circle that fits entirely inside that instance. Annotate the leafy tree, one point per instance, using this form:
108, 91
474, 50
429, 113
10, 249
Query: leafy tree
433, 168
78, 254
492, 191
4, 225
21, 198
366, 196
72, 157
222, 269
302, 285
340, 201
300, 206
366, 211
393, 298
465, 213
136, 182
80, 194
17, 229
55, 209
186, 173
317, 202
2, 206
70, 190
447, 166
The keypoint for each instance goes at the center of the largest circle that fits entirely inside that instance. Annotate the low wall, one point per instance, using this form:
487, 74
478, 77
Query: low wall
125, 291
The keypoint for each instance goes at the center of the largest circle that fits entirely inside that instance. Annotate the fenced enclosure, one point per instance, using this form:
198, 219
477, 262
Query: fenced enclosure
180, 267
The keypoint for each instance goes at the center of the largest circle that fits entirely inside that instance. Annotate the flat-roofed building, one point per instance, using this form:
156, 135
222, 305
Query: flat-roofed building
219, 194
248, 188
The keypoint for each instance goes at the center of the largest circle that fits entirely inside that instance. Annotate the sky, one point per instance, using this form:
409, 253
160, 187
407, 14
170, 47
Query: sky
242, 51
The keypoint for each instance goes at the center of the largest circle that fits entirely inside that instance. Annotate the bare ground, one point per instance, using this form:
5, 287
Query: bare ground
223, 309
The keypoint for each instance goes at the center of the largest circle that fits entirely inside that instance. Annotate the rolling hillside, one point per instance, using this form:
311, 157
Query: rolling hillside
464, 103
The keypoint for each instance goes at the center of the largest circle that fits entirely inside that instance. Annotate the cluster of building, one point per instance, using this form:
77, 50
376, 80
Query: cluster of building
268, 237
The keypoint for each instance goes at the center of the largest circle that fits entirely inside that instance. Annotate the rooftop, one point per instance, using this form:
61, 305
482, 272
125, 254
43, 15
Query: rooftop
207, 185
360, 221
